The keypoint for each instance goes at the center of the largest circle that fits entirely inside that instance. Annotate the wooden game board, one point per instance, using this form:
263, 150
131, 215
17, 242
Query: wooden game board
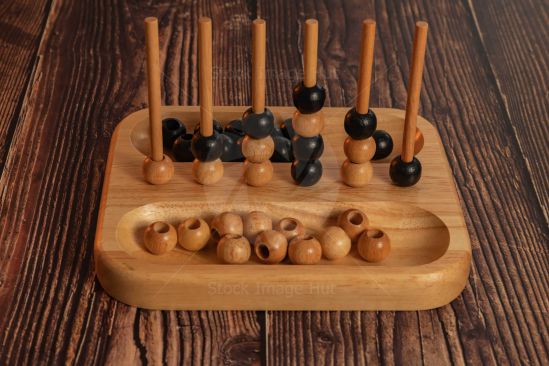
427, 267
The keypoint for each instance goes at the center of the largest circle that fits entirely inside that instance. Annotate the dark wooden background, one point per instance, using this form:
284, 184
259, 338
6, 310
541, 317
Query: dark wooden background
71, 70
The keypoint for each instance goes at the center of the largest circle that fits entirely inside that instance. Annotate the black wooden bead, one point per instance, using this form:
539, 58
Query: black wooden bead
232, 148
360, 126
307, 148
216, 126
405, 174
283, 150
384, 144
277, 131
308, 100
258, 125
287, 128
207, 148
234, 128
172, 128
182, 148
306, 173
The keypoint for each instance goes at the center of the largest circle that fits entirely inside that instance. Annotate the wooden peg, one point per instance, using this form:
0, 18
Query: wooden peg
366, 62
259, 41
205, 75
310, 52
414, 90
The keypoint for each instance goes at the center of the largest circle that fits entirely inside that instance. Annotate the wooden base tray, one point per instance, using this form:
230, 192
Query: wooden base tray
427, 267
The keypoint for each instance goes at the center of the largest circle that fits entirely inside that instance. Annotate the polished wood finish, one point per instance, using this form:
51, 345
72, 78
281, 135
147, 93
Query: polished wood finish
353, 222
259, 42
414, 90
290, 227
193, 234
257, 150
205, 75
310, 52
373, 245
258, 174
308, 125
157, 172
359, 151
304, 249
226, 223
366, 63
160, 237
207, 172
255, 222
335, 243
153, 84
356, 175
234, 249
270, 246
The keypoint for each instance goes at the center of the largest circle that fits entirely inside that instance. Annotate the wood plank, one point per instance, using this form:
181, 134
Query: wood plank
90, 76
515, 37
501, 316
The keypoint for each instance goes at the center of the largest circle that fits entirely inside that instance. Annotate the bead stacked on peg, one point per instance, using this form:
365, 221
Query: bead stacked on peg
258, 121
361, 122
308, 120
405, 170
207, 143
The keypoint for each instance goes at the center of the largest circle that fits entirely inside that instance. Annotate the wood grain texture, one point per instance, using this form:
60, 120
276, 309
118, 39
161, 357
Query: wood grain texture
484, 87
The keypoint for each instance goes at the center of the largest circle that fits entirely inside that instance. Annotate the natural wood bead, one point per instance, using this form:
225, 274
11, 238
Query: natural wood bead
234, 249
290, 227
226, 223
257, 150
193, 234
356, 175
308, 125
353, 222
359, 151
258, 174
207, 173
158, 172
305, 250
270, 246
256, 222
160, 237
374, 245
335, 243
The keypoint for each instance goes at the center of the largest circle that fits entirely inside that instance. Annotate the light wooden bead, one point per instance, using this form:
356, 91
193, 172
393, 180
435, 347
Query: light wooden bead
258, 174
193, 234
207, 172
234, 249
305, 250
359, 151
356, 175
160, 237
308, 125
374, 245
353, 222
271, 246
256, 222
257, 150
290, 227
335, 243
226, 223
158, 172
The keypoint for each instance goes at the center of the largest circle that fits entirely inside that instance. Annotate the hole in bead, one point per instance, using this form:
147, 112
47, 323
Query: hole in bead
307, 237
161, 227
232, 236
356, 218
171, 124
288, 224
193, 224
263, 251
375, 234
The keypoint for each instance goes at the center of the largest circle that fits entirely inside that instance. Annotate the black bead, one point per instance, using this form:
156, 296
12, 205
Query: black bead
207, 148
283, 150
258, 125
234, 128
384, 144
277, 131
405, 174
287, 128
307, 148
216, 126
308, 100
306, 173
172, 128
360, 126
182, 148
232, 148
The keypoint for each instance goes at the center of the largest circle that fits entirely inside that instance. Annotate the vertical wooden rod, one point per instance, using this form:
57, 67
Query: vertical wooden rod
205, 75
414, 90
366, 63
153, 83
259, 41
310, 52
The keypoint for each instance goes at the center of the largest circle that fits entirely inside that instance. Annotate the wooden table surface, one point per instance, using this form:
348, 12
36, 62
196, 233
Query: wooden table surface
71, 70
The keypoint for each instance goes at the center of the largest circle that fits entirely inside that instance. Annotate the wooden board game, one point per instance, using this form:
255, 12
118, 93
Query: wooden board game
428, 265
